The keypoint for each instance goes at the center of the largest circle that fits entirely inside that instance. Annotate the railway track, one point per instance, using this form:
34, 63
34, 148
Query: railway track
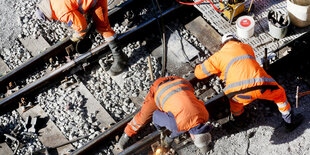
78, 92
15, 79
63, 70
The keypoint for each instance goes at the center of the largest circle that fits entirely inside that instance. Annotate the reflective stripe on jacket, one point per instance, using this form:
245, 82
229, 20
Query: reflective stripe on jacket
172, 94
235, 64
71, 12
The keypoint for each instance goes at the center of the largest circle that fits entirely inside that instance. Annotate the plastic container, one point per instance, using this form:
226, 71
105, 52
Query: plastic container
299, 12
245, 26
278, 32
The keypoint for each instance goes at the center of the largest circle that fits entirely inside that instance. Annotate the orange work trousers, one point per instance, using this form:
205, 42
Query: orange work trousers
278, 96
100, 17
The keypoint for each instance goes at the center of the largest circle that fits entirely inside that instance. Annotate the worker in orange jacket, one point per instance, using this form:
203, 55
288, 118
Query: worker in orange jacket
235, 64
172, 103
74, 12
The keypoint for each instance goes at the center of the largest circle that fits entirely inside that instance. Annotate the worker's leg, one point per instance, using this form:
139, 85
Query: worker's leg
236, 107
166, 120
239, 101
100, 17
279, 97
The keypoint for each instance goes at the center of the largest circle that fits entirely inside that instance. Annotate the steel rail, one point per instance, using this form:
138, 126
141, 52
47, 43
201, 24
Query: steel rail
142, 144
4, 103
118, 127
122, 124
153, 137
44, 56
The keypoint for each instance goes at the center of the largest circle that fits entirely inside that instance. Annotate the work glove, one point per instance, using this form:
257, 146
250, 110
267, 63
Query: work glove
123, 141
168, 141
76, 37
296, 120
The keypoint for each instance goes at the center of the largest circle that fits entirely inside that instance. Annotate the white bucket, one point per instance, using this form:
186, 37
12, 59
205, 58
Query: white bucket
278, 32
299, 12
245, 26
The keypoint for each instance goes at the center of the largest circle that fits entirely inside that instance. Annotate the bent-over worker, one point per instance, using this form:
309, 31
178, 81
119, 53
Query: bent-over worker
172, 103
235, 64
74, 12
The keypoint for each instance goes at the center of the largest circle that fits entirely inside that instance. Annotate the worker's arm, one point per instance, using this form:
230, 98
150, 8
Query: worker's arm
207, 68
76, 21
143, 115
139, 120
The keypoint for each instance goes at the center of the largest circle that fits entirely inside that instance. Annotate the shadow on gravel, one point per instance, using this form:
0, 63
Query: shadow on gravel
261, 113
280, 136
41, 123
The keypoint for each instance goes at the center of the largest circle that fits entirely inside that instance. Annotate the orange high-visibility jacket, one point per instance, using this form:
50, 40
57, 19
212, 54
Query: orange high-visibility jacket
235, 64
172, 94
72, 11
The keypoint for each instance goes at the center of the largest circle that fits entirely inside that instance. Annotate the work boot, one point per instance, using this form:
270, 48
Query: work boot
120, 58
240, 121
296, 121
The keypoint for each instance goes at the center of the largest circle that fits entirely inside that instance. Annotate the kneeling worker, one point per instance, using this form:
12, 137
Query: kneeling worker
235, 64
74, 12
173, 104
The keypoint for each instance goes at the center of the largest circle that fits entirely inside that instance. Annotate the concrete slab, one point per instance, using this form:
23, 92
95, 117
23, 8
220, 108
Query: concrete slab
3, 68
174, 65
5, 149
50, 135
177, 61
93, 105
208, 37
180, 48
35, 45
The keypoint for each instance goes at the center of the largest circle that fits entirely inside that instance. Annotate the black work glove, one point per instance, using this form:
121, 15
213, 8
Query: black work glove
123, 141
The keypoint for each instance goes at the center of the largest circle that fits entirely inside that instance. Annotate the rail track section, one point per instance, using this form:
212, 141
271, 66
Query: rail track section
20, 72
217, 105
77, 103
57, 49
55, 130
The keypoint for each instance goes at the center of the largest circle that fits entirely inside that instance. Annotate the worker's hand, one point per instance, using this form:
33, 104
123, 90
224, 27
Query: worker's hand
76, 37
122, 141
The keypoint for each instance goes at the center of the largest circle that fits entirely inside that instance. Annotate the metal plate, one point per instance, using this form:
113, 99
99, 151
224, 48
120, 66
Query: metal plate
261, 38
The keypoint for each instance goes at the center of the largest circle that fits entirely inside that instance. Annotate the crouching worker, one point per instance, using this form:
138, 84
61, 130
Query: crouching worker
235, 64
75, 14
172, 103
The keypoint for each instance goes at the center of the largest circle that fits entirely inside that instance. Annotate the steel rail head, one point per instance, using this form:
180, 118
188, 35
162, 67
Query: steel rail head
51, 51
82, 58
118, 127
4, 103
142, 144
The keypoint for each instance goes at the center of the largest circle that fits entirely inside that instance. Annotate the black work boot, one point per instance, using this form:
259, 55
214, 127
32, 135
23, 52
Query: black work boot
120, 58
296, 121
240, 121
